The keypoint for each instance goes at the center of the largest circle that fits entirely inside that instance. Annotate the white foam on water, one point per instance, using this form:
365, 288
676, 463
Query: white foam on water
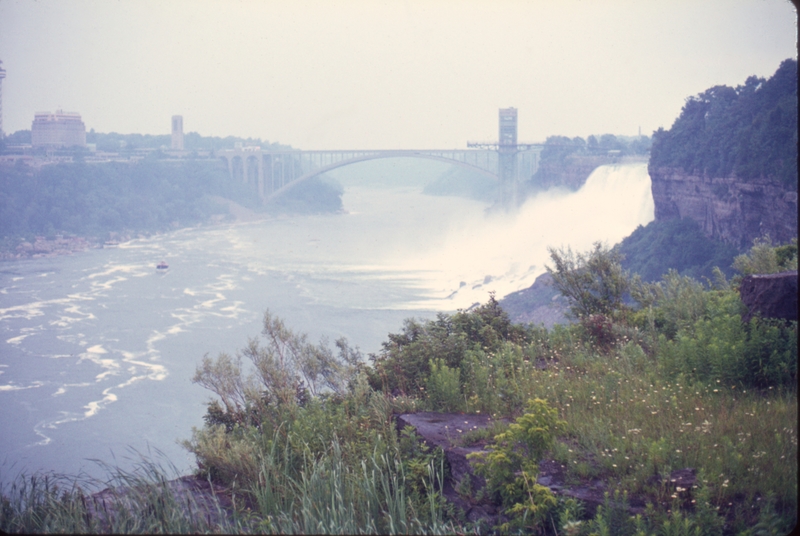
92, 408
14, 387
17, 340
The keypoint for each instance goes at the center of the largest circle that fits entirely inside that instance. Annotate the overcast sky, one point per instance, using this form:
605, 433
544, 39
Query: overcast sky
358, 74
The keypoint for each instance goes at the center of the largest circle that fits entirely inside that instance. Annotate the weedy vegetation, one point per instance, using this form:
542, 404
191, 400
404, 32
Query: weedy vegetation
651, 378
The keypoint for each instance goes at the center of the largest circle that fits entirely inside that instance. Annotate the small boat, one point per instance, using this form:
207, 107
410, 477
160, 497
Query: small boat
162, 265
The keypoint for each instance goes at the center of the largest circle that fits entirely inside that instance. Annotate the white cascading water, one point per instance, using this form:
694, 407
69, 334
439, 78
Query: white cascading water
505, 253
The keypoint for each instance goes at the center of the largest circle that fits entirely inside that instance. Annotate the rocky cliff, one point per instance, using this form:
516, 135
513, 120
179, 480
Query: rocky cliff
731, 210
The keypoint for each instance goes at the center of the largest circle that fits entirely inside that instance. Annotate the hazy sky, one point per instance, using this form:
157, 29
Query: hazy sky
381, 74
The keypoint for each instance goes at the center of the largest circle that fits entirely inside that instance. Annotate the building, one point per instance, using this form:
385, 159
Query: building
177, 133
2, 75
59, 129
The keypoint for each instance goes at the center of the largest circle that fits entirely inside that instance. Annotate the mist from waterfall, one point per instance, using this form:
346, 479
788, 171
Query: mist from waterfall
505, 252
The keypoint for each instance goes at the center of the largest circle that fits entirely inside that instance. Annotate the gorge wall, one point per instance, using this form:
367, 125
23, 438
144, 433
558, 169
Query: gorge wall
727, 209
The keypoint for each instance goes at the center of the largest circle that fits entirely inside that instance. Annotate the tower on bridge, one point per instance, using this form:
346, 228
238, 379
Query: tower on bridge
507, 149
507, 156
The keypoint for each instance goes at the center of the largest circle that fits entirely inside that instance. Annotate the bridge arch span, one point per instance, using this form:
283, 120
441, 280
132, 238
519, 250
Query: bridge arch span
392, 154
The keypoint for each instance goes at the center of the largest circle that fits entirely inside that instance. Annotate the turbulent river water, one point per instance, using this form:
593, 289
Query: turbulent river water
97, 349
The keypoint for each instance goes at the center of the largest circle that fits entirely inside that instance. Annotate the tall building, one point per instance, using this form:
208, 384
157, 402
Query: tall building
2, 75
59, 129
177, 132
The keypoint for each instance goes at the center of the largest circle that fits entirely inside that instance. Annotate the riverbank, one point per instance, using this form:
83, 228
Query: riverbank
18, 248
49, 247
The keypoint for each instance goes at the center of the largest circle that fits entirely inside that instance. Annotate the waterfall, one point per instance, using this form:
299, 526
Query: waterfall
504, 253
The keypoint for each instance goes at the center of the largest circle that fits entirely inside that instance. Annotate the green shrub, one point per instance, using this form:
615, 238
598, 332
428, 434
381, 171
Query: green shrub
511, 467
720, 347
594, 283
765, 258
444, 389
404, 364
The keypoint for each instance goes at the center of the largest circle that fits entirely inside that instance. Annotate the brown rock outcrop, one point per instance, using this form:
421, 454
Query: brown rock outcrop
770, 295
728, 209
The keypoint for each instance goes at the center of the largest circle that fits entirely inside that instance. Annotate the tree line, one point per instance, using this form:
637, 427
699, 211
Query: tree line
747, 132
147, 196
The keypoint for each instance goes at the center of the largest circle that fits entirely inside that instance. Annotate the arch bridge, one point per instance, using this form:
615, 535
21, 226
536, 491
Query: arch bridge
272, 172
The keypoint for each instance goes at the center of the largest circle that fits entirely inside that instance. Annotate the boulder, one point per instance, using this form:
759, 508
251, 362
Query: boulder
770, 295
444, 430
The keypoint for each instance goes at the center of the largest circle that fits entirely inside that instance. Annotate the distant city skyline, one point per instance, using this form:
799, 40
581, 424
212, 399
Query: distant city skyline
424, 74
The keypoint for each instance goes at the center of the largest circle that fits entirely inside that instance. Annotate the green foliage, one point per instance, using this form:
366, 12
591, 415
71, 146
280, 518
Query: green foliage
718, 347
285, 373
613, 517
680, 301
511, 467
404, 364
594, 283
444, 388
747, 132
654, 249
149, 195
766, 258
101, 198
492, 382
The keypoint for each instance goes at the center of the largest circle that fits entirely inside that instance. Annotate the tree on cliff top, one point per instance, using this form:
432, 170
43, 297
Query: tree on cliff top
747, 132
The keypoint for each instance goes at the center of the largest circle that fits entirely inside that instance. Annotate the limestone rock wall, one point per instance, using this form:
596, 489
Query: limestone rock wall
727, 209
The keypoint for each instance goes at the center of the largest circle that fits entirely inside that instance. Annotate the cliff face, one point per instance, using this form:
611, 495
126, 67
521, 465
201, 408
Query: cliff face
728, 209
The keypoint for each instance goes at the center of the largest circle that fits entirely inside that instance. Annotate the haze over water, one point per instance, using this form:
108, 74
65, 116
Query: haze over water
97, 350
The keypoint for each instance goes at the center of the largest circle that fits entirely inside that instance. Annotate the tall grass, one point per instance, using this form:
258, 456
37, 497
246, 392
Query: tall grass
327, 496
145, 500
332, 497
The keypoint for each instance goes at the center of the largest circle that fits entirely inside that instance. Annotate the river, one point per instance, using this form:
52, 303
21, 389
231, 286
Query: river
97, 349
